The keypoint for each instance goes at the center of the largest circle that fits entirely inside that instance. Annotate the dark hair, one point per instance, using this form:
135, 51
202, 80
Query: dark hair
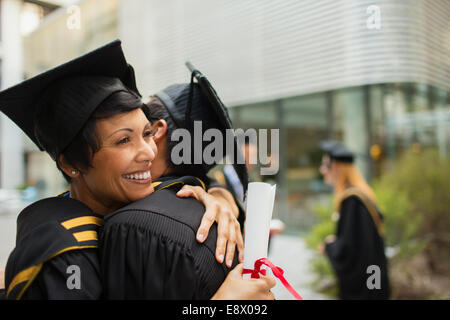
86, 143
157, 111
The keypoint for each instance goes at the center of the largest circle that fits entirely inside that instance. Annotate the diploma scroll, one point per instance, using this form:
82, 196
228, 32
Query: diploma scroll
260, 201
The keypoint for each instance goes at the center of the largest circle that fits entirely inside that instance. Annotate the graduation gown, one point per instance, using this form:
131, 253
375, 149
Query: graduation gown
56, 252
148, 249
359, 244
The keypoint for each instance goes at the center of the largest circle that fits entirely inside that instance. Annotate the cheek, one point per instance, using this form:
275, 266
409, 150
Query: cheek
109, 168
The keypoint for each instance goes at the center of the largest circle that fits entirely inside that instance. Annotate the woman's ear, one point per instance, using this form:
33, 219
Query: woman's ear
67, 168
160, 130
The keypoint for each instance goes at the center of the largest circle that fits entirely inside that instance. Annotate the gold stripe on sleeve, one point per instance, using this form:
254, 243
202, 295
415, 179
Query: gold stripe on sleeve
85, 235
203, 184
156, 183
30, 273
23, 276
81, 221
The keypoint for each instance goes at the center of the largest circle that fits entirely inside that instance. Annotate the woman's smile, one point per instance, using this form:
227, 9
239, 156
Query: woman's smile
139, 177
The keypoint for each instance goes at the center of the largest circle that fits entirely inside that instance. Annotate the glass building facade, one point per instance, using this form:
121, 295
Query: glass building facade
378, 121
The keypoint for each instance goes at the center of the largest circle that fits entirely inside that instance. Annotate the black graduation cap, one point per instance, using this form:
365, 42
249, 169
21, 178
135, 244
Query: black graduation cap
198, 101
337, 151
52, 107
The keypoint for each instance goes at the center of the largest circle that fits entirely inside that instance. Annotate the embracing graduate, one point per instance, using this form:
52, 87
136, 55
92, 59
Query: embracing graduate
148, 247
179, 239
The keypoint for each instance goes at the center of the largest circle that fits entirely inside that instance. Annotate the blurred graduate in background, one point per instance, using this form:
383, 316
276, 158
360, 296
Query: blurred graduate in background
356, 252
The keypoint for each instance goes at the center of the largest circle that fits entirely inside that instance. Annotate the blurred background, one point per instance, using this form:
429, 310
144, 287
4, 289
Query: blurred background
373, 74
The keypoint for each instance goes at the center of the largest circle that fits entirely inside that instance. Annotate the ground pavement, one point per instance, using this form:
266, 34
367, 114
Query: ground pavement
291, 254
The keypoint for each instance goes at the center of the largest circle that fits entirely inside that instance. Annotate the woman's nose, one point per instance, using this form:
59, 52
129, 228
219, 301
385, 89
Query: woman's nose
146, 151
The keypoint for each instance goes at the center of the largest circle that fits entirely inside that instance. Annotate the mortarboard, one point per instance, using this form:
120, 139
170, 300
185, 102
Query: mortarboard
198, 101
52, 107
337, 151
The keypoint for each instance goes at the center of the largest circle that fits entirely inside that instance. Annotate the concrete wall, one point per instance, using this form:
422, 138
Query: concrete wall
258, 50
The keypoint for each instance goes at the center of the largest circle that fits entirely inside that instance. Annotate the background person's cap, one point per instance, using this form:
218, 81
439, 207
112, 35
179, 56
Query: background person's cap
337, 151
52, 107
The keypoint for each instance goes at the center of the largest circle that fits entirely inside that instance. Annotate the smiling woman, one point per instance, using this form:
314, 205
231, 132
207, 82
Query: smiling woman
68, 112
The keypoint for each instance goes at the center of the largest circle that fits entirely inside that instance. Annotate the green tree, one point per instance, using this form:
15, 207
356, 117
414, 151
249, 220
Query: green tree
415, 199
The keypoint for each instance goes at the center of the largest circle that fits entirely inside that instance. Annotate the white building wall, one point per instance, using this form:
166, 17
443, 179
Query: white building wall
11, 138
255, 50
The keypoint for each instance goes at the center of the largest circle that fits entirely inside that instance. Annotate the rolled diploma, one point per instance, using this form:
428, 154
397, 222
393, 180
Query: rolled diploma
260, 200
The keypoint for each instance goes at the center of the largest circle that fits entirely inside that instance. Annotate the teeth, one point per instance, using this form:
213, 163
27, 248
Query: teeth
140, 176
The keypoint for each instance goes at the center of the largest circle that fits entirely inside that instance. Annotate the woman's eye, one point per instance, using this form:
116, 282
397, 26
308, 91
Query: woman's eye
148, 133
123, 141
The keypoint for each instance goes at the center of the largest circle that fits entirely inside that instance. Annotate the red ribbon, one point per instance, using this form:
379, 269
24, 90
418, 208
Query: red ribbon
277, 272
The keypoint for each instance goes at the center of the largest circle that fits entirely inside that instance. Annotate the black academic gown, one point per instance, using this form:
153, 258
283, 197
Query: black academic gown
56, 252
358, 245
148, 249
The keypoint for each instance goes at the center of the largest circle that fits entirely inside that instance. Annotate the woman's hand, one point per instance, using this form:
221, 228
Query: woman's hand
220, 208
329, 239
236, 288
